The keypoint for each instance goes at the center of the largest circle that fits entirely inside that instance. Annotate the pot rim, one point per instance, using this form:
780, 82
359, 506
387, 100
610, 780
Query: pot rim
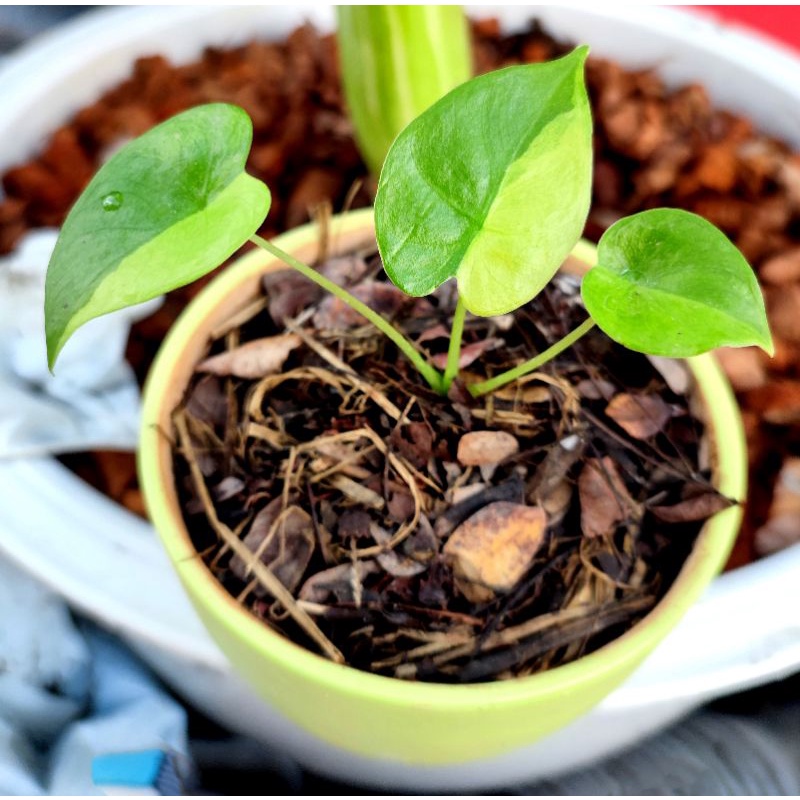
705, 560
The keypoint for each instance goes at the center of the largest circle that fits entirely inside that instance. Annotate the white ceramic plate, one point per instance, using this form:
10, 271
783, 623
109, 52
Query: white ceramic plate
108, 563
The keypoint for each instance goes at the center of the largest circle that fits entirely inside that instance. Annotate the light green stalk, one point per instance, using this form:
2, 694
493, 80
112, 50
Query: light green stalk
439, 383
491, 385
431, 375
396, 61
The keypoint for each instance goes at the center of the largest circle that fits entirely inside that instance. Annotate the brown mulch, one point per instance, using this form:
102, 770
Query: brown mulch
451, 540
655, 146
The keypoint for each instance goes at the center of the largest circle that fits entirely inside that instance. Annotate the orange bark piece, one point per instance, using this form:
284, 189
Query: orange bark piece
717, 167
778, 402
492, 550
783, 309
744, 367
783, 525
118, 470
782, 268
787, 355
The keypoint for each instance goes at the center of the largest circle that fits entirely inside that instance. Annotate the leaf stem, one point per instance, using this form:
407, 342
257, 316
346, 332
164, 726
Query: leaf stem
454, 349
477, 389
430, 373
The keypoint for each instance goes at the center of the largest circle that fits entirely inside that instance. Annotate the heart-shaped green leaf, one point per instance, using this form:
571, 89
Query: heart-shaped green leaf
490, 185
169, 207
669, 283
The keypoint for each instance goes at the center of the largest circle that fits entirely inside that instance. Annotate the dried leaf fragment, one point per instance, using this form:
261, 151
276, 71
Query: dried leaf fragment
345, 270
414, 441
692, 509
492, 550
335, 314
480, 448
354, 524
639, 415
604, 499
282, 540
401, 566
207, 401
288, 294
400, 505
337, 583
469, 353
254, 359
435, 332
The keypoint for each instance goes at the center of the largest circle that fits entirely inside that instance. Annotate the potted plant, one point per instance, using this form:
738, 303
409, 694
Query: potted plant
138, 220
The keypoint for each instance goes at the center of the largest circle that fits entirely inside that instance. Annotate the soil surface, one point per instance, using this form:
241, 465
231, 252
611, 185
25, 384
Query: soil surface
655, 146
447, 539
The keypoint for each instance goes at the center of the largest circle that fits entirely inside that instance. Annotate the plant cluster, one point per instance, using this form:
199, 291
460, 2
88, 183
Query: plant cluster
490, 186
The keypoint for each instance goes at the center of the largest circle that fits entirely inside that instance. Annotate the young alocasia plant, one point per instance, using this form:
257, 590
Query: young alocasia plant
489, 186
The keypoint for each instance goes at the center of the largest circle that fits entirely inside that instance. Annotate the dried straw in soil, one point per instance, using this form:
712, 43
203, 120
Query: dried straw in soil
454, 539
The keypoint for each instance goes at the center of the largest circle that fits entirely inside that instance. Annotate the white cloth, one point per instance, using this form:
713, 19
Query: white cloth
92, 402
68, 694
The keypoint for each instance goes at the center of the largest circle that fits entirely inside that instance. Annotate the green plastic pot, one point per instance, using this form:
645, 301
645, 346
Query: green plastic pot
376, 716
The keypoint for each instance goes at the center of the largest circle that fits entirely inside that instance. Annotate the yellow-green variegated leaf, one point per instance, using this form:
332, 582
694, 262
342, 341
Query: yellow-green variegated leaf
166, 209
491, 186
396, 61
669, 283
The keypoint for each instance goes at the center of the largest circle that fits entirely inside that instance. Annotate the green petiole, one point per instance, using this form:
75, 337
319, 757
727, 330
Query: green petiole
477, 389
430, 373
439, 382
454, 349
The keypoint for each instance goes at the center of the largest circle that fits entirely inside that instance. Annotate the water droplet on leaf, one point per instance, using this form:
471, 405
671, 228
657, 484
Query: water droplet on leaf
112, 201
